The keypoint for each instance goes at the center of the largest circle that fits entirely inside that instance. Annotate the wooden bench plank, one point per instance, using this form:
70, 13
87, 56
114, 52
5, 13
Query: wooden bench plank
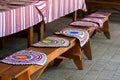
16, 71
4, 67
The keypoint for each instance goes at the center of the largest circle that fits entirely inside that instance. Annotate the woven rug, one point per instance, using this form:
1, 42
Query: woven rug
52, 41
81, 35
24, 57
96, 15
83, 24
97, 21
92, 20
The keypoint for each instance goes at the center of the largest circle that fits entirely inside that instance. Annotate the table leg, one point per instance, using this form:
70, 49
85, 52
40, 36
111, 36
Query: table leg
30, 36
41, 31
2, 42
75, 16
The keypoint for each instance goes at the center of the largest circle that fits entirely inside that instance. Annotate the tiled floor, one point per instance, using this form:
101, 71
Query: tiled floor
106, 54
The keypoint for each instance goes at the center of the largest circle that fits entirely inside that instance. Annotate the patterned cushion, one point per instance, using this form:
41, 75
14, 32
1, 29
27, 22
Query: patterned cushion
23, 57
97, 21
85, 24
81, 35
92, 20
52, 41
96, 15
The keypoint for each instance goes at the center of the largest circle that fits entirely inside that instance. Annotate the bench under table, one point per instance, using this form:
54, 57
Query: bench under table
33, 72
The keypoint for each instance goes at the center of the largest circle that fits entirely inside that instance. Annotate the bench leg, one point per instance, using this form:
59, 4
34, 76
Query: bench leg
106, 30
74, 53
87, 50
77, 56
24, 76
38, 73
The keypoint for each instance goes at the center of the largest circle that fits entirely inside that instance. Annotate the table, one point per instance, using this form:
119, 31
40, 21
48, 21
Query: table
15, 18
59, 8
18, 18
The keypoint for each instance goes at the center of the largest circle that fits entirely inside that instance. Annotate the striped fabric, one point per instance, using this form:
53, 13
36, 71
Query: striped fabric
59, 8
15, 20
41, 7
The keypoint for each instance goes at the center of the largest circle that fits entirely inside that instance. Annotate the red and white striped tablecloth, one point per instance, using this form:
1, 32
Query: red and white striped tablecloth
19, 18
59, 8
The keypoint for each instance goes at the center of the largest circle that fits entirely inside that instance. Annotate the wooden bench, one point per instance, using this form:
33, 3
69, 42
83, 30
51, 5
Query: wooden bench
33, 72
96, 4
104, 29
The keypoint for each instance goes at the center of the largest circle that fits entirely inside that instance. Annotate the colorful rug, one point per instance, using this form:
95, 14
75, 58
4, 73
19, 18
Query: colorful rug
52, 42
84, 24
81, 35
92, 20
97, 21
24, 57
96, 15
